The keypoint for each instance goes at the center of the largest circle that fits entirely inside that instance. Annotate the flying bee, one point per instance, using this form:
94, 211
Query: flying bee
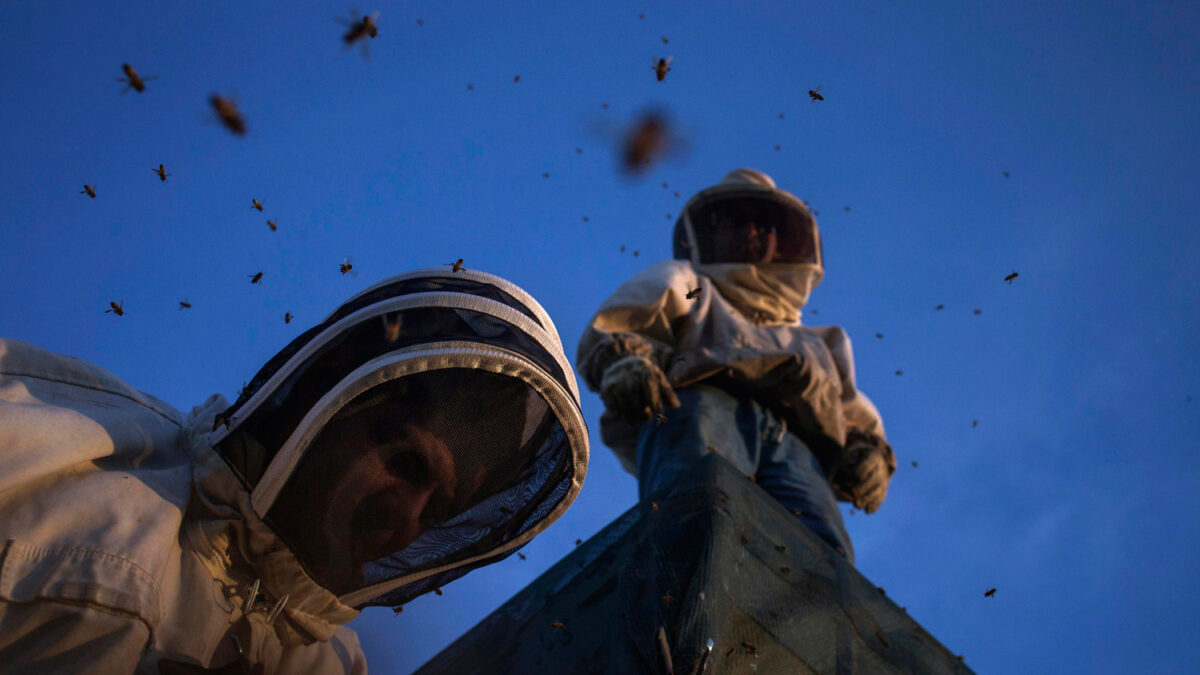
604, 105
558, 625
662, 67
622, 248
271, 224
132, 80
940, 307
255, 204
659, 418
914, 464
357, 29
438, 591
346, 266
89, 190
228, 113
693, 294
255, 278
664, 39
521, 555
777, 148
749, 647
398, 609
635, 254
287, 317
162, 172
978, 312
391, 327
117, 308
899, 372
516, 79
585, 219
578, 542
1007, 175
974, 423
989, 592
456, 266
653, 506
1010, 277
879, 336
470, 87
814, 95
184, 304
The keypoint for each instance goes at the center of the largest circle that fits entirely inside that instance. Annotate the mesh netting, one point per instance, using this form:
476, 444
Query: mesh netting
426, 470
755, 229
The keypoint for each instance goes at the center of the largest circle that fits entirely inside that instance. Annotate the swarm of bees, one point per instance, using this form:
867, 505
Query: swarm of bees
228, 113
89, 190
132, 80
814, 95
117, 308
161, 172
662, 67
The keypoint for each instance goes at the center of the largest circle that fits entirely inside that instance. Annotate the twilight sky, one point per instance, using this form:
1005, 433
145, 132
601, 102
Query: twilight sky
1077, 496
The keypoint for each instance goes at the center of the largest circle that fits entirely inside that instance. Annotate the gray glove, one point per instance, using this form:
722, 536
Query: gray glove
866, 468
635, 388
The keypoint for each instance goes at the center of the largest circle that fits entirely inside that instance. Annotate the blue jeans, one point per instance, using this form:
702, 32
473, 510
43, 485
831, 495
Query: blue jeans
752, 439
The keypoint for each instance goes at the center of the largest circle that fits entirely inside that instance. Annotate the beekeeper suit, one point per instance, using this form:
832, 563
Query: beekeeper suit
706, 353
429, 426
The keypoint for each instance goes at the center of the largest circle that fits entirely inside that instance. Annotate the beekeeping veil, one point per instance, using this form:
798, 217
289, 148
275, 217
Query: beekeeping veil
759, 244
428, 426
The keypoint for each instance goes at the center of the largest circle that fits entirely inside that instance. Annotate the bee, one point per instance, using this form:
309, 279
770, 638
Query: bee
814, 95
664, 39
728, 652
899, 372
677, 194
781, 548
815, 312
117, 308
516, 79
659, 418
579, 151
558, 625
255, 204
635, 253
978, 312
221, 419
798, 513
391, 327
750, 649
521, 555
622, 248
847, 208
604, 105
227, 111
287, 317
346, 266
641, 16
780, 115
506, 511
914, 464
777, 148
470, 87
255, 278
974, 423
879, 636
132, 80
457, 265
1011, 277
578, 542
271, 224
653, 506
693, 294
585, 219
1006, 174
989, 592
939, 308
667, 599
664, 185
662, 67
398, 609
879, 336
438, 591
545, 175
357, 29
89, 190
184, 304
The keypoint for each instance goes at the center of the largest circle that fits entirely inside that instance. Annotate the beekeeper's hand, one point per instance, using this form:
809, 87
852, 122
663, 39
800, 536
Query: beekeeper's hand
866, 468
635, 388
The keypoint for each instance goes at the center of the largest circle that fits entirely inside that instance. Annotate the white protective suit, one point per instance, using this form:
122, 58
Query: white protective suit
741, 332
127, 538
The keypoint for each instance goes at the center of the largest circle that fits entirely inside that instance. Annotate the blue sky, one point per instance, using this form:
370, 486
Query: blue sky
1076, 496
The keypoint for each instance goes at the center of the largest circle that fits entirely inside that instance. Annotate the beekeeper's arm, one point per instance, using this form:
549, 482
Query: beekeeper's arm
867, 463
629, 344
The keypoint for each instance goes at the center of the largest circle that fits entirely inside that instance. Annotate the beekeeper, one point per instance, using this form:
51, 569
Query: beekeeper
706, 353
429, 426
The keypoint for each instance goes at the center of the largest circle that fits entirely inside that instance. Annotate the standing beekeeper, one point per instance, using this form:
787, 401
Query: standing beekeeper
706, 353
430, 425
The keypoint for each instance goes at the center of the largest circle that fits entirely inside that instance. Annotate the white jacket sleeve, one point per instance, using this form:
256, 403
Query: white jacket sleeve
55, 637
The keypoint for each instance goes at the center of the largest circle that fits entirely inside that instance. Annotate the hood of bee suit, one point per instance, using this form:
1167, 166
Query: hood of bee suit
766, 292
428, 426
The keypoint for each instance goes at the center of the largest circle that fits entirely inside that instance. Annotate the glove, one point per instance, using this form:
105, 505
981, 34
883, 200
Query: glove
866, 468
634, 388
